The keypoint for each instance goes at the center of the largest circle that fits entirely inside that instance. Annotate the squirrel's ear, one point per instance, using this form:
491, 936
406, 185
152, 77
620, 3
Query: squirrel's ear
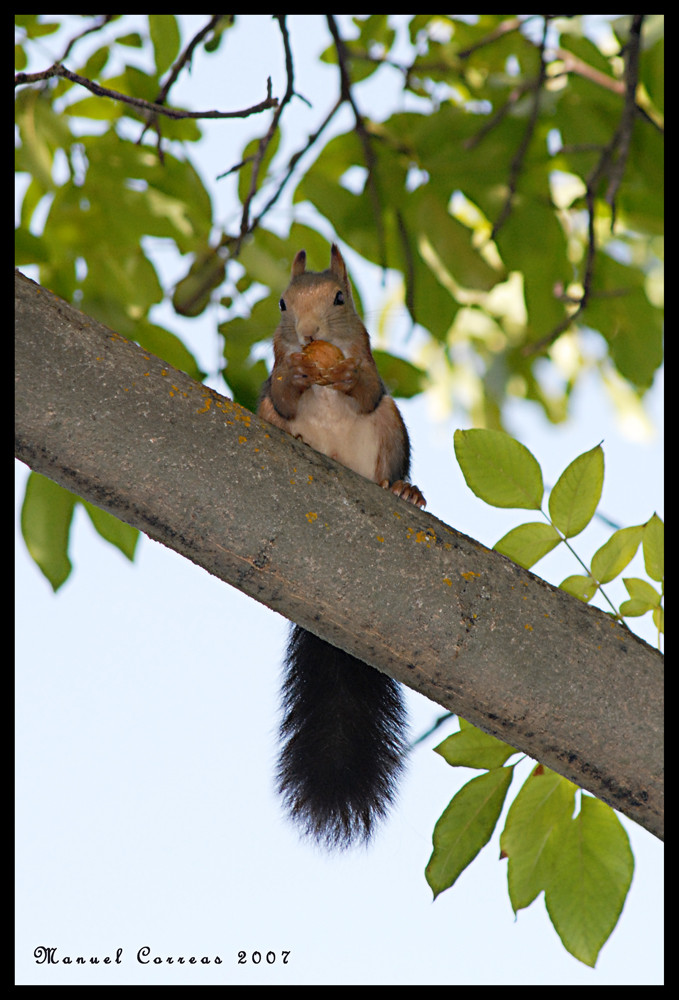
299, 264
337, 265
339, 269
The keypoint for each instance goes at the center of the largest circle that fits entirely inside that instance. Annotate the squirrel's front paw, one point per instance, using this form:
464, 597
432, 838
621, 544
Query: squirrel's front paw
303, 371
343, 376
406, 491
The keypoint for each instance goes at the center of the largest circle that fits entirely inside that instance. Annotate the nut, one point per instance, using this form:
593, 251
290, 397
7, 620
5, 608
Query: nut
324, 354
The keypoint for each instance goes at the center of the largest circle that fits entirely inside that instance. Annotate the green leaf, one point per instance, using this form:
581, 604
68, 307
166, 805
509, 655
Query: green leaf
97, 108
166, 40
641, 590
541, 256
499, 469
471, 747
35, 154
133, 40
466, 826
450, 239
582, 587
611, 558
654, 548
590, 875
545, 801
46, 517
29, 249
248, 158
659, 619
576, 495
122, 535
528, 543
193, 293
635, 608
643, 597
620, 309
401, 378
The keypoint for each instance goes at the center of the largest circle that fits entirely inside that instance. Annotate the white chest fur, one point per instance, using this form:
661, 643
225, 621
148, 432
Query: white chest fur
329, 421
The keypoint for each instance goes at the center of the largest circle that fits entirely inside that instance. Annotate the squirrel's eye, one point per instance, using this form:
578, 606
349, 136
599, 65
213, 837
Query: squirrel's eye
282, 306
339, 299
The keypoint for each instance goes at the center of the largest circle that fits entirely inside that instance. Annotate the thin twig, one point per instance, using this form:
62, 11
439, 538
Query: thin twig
495, 119
611, 163
101, 23
623, 135
184, 58
187, 55
364, 137
294, 160
516, 165
264, 142
137, 102
502, 29
573, 64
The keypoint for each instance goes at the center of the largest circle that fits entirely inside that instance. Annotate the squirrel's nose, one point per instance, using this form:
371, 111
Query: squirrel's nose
307, 330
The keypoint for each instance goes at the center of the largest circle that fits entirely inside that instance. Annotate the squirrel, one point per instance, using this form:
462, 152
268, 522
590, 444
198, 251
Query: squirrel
344, 723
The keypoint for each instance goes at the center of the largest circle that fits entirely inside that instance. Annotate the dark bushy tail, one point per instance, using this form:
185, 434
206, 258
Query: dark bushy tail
344, 741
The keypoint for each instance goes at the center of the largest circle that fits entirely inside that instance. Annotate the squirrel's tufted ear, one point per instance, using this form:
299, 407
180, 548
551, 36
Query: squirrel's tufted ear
337, 265
299, 264
339, 269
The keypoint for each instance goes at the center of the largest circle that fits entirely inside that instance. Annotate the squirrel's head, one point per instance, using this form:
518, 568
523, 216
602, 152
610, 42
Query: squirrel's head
316, 303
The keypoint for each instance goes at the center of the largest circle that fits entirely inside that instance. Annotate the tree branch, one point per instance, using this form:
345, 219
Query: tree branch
330, 550
516, 165
372, 181
137, 102
264, 142
612, 164
183, 59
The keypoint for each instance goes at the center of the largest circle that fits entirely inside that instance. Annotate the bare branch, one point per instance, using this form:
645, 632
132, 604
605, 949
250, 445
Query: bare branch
184, 58
612, 164
520, 155
103, 20
137, 102
294, 159
623, 136
187, 55
264, 142
368, 152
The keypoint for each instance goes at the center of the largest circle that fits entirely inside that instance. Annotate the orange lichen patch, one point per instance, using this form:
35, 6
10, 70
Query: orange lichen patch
469, 575
428, 537
447, 581
528, 627
311, 517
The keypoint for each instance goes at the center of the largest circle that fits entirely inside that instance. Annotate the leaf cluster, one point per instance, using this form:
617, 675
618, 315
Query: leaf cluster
519, 196
582, 862
503, 472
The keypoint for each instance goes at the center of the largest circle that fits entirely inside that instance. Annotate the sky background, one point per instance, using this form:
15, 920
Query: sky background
147, 707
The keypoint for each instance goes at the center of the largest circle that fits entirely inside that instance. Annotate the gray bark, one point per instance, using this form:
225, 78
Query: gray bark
333, 552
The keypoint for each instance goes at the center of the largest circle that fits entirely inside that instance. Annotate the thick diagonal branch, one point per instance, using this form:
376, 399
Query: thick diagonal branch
332, 551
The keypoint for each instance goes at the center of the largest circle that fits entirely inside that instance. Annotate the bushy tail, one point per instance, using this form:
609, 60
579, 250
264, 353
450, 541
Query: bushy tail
344, 741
